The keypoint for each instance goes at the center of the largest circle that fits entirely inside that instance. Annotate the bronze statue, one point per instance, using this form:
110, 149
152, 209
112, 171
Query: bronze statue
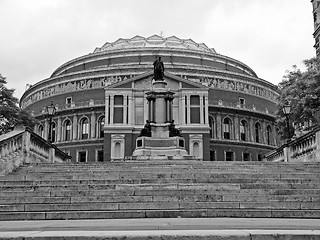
173, 131
158, 68
146, 130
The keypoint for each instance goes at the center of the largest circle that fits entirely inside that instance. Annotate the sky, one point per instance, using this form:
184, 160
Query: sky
37, 36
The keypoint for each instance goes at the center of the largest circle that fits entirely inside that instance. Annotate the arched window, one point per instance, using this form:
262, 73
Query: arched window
226, 128
41, 131
84, 128
117, 150
269, 134
196, 150
100, 127
67, 130
257, 132
212, 126
243, 130
53, 131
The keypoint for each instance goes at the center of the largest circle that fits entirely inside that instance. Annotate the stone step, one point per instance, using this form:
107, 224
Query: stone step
129, 198
156, 205
166, 180
160, 189
190, 213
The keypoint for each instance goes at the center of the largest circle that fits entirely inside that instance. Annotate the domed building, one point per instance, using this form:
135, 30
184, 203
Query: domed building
222, 109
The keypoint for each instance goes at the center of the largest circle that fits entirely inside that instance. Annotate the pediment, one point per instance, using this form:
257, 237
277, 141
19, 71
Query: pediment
144, 82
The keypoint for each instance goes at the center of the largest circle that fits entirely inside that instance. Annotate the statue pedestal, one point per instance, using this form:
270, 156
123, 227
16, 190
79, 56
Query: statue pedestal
160, 145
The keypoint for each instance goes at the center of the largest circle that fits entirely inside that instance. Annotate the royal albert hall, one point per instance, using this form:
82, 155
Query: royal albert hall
223, 110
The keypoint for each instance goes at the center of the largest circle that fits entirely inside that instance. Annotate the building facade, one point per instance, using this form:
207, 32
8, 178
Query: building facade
224, 111
316, 21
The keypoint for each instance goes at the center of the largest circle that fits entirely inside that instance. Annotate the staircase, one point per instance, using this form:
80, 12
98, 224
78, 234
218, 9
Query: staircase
166, 189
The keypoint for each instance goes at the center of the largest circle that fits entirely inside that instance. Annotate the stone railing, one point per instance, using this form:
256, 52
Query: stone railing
305, 148
22, 145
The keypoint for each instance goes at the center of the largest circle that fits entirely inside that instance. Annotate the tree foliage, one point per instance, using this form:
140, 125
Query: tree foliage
10, 113
301, 90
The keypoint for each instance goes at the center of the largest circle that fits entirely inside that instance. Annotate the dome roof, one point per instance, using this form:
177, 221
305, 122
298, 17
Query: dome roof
154, 41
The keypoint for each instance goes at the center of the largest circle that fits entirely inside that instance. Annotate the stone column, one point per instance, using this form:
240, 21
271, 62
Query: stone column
251, 130
75, 127
131, 110
236, 127
125, 109
111, 108
106, 122
59, 129
219, 126
182, 109
206, 109
188, 109
201, 110
46, 129
93, 125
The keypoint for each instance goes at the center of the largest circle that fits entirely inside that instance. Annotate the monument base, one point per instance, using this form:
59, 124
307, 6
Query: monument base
160, 148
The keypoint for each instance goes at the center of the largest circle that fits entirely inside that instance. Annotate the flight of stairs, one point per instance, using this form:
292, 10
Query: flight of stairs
153, 189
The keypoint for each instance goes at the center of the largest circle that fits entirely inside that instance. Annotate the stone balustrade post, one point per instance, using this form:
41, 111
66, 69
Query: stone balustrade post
26, 147
51, 155
287, 153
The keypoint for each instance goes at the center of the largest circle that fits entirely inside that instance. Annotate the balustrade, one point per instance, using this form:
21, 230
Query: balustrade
24, 146
303, 149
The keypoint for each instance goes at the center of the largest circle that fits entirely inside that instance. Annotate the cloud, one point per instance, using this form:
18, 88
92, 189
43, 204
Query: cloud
39, 36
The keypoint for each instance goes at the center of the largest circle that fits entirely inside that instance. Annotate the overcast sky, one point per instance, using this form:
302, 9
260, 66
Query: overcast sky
37, 36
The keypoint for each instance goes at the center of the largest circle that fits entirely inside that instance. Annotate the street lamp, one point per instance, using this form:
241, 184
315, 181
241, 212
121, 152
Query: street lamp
286, 110
51, 110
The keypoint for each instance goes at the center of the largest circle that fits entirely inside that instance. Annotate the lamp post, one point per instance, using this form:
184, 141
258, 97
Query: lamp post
51, 110
286, 110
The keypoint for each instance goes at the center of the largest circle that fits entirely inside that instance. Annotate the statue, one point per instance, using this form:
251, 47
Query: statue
173, 131
146, 130
158, 68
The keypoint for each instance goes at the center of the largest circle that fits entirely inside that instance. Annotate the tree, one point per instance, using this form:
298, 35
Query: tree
10, 113
300, 89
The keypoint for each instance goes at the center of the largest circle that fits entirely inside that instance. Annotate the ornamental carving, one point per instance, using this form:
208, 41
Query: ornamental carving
72, 86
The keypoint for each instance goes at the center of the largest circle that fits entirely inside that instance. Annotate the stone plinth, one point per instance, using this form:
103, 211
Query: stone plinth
160, 144
152, 146
160, 130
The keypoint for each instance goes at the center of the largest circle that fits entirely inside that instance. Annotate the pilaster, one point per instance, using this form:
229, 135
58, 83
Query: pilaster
59, 129
92, 123
219, 134
75, 127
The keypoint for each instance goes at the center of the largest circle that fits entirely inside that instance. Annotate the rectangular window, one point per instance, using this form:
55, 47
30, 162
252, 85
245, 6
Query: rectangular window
82, 156
212, 155
100, 156
242, 102
118, 109
245, 156
229, 156
194, 109
139, 110
68, 100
